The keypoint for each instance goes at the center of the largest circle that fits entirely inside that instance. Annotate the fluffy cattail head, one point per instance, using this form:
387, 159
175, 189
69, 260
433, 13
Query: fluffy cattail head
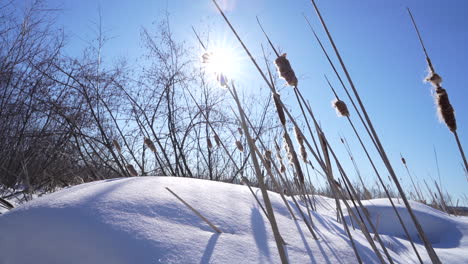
279, 108
117, 146
445, 109
239, 146
434, 79
217, 140
149, 143
132, 170
285, 70
208, 142
341, 108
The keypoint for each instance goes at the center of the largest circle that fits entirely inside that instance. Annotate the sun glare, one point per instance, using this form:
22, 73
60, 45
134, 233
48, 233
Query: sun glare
222, 61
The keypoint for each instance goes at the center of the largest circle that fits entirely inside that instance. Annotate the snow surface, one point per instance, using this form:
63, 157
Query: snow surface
136, 220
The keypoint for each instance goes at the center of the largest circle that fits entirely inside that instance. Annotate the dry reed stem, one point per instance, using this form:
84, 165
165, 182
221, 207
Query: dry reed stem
435, 259
195, 211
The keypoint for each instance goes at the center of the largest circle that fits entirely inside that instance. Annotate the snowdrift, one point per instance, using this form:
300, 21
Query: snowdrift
136, 220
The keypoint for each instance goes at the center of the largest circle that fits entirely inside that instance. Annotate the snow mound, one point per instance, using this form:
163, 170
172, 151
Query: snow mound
136, 220
440, 228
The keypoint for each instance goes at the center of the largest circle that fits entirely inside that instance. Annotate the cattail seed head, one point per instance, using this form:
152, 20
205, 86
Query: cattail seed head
279, 108
285, 70
300, 141
240, 131
208, 143
445, 109
434, 79
149, 143
282, 168
117, 146
403, 160
267, 157
239, 146
299, 136
341, 108
217, 140
132, 170
303, 153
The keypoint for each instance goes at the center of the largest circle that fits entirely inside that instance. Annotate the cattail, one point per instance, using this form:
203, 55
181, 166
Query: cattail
208, 143
403, 160
280, 159
288, 149
132, 170
434, 79
117, 146
300, 141
239, 146
240, 131
445, 109
341, 108
267, 157
279, 108
217, 140
149, 143
285, 70
303, 153
299, 136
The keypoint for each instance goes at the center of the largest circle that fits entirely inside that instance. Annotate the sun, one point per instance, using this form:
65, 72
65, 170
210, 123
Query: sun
222, 62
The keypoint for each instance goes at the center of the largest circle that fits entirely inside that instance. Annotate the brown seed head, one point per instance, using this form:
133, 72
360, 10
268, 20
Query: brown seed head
341, 108
117, 146
208, 142
267, 157
299, 136
279, 108
149, 143
285, 70
445, 109
217, 140
303, 153
403, 160
132, 170
239, 146
241, 132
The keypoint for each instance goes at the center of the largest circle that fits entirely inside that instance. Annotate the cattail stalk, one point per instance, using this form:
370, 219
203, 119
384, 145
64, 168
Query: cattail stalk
195, 211
266, 198
435, 259
444, 108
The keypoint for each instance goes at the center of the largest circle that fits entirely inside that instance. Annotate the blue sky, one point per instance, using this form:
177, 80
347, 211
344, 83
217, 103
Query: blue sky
378, 44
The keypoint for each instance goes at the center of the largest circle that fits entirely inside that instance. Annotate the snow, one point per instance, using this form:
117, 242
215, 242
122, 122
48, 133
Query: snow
136, 220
